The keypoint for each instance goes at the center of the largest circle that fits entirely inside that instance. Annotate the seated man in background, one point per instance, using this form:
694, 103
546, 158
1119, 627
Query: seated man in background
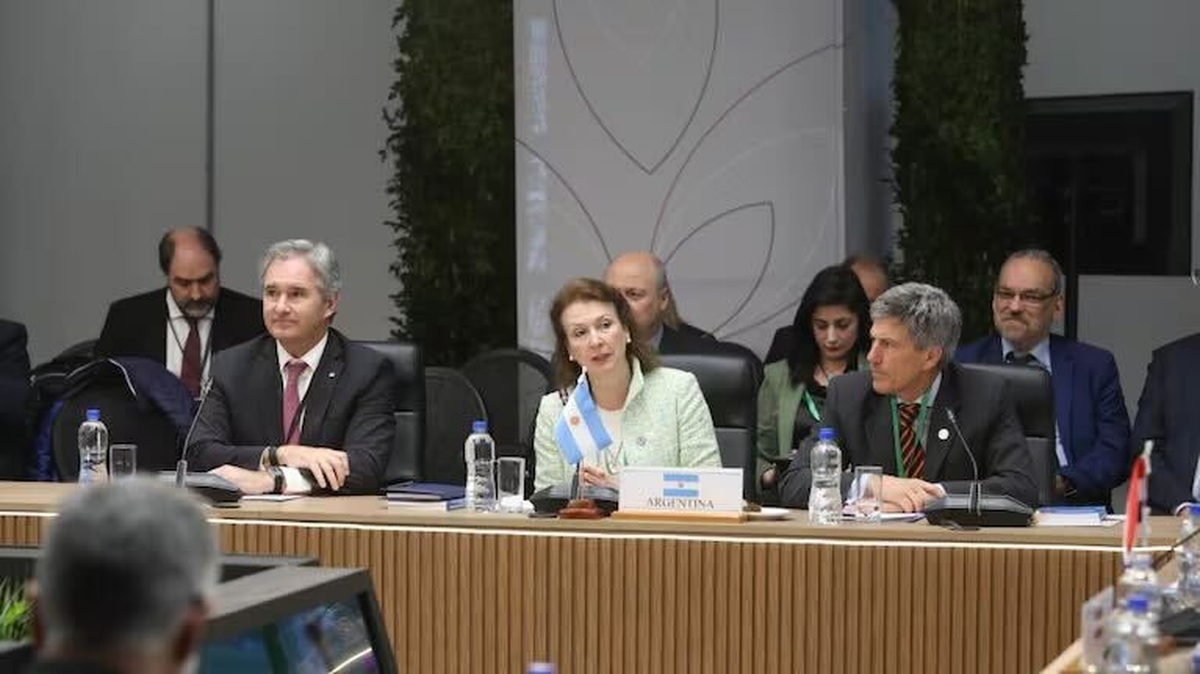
642, 279
14, 397
183, 325
302, 397
1169, 415
123, 582
1092, 426
895, 415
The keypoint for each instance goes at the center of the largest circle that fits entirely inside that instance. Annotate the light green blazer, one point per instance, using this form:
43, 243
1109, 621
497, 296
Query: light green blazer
665, 423
778, 403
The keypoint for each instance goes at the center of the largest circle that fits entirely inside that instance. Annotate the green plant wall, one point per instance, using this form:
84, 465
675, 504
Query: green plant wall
959, 152
450, 145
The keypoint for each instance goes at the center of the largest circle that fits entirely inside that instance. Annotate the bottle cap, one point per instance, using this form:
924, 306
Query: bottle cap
479, 426
1137, 603
826, 433
93, 414
1194, 509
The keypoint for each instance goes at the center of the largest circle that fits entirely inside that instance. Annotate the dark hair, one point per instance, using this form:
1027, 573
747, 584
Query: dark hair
832, 286
166, 246
582, 289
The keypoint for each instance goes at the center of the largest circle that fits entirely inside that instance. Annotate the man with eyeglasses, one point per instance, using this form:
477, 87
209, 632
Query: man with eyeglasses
1092, 437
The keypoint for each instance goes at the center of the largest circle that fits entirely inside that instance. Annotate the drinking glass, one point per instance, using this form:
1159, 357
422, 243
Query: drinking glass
122, 460
868, 481
510, 483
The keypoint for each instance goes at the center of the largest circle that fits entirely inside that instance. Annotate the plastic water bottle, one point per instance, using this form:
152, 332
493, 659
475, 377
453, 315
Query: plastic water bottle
480, 454
1139, 578
825, 495
93, 448
1187, 587
1132, 638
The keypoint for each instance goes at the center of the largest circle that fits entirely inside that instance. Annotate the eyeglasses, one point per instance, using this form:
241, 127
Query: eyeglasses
1030, 297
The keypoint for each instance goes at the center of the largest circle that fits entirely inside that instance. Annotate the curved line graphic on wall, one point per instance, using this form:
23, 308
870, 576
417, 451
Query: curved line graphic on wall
716, 123
645, 166
574, 195
762, 271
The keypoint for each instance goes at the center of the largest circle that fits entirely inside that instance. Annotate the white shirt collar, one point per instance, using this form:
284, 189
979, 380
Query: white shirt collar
312, 358
933, 391
1041, 351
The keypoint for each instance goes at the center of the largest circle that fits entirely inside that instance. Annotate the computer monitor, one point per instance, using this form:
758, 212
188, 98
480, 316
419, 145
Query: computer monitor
297, 620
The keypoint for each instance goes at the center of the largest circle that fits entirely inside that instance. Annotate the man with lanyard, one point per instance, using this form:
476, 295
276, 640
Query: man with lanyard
897, 414
183, 325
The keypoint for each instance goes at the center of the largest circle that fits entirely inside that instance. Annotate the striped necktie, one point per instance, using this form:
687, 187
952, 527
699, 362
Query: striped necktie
910, 449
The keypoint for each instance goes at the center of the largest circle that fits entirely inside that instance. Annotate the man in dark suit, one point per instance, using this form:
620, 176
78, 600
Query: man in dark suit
302, 407
1169, 414
182, 325
642, 279
896, 415
1092, 437
14, 396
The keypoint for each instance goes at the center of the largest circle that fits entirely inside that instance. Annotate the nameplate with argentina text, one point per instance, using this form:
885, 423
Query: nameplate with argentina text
684, 490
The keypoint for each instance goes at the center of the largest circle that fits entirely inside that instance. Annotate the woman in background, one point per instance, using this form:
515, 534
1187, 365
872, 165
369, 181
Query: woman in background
655, 416
832, 334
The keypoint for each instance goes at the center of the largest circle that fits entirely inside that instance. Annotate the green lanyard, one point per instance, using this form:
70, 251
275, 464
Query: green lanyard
922, 420
812, 406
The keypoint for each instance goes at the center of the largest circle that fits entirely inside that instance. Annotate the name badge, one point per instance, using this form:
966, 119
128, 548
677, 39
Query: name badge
715, 490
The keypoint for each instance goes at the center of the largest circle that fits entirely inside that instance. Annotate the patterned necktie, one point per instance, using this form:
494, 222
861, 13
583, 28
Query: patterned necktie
1027, 359
189, 373
291, 399
910, 450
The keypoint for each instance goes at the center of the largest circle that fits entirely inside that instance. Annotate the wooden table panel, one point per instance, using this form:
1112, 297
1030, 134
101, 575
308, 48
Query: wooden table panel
463, 592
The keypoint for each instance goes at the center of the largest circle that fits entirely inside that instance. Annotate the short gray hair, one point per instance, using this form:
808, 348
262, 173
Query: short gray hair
318, 255
121, 566
1046, 259
930, 316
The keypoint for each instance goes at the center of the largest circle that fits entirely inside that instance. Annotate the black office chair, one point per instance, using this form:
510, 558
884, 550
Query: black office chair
729, 382
128, 419
756, 363
409, 363
451, 405
511, 383
1034, 397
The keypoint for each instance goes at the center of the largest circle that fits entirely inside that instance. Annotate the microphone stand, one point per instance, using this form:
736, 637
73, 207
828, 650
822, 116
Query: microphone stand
181, 466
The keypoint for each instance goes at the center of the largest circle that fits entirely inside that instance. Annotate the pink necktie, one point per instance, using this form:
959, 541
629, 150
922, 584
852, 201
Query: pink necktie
291, 399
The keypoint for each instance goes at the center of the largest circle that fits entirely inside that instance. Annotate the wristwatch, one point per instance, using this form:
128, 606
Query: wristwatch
276, 473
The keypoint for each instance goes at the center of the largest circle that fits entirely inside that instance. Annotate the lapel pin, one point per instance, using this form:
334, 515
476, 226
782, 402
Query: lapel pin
943, 434
641, 441
332, 375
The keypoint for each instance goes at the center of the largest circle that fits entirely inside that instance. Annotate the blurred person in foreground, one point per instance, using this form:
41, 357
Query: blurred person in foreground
123, 583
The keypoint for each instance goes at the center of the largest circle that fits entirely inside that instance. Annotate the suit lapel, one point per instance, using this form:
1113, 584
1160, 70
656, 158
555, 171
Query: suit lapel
267, 386
1061, 380
321, 388
877, 421
939, 437
159, 335
994, 353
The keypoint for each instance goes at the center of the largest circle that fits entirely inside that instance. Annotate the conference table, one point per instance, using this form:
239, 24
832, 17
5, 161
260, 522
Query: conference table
491, 592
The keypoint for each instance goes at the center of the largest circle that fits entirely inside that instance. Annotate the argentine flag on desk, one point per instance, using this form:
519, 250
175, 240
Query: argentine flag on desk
579, 430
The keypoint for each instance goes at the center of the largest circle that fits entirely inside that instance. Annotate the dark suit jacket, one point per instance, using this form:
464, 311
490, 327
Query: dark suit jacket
1089, 407
14, 398
137, 326
1169, 414
862, 420
348, 406
686, 339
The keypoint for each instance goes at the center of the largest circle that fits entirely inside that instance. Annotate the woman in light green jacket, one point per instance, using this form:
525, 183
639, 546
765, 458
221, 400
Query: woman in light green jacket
832, 335
655, 416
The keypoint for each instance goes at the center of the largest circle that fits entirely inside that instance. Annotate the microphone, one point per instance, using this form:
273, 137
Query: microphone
974, 489
212, 487
975, 509
181, 466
